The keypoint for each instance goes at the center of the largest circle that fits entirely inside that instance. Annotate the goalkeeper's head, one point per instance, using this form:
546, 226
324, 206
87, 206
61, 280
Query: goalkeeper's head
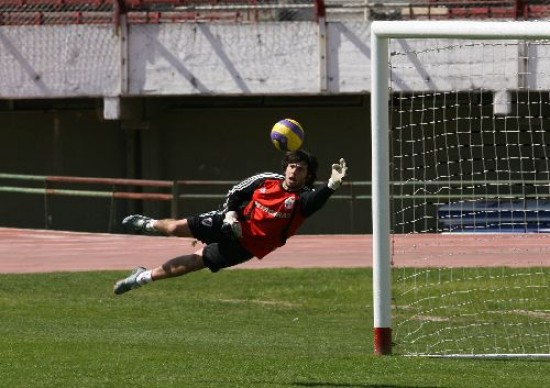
301, 156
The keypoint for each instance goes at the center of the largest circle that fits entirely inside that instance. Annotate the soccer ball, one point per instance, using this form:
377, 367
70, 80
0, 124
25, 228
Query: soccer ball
287, 135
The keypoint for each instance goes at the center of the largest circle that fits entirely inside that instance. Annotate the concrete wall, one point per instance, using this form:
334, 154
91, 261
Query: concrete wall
293, 58
176, 138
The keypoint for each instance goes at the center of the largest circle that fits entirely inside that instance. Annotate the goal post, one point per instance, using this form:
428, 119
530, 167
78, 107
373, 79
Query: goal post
473, 163
380, 195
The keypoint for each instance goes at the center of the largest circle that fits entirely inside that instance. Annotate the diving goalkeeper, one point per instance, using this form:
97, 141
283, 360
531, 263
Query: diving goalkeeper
258, 216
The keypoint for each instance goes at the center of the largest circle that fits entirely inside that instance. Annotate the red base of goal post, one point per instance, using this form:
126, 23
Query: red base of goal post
382, 341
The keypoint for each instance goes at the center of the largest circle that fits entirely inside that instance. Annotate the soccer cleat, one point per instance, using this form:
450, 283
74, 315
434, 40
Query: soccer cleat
128, 283
138, 224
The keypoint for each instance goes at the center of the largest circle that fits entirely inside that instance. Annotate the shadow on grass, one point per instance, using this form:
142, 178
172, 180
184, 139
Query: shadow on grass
321, 384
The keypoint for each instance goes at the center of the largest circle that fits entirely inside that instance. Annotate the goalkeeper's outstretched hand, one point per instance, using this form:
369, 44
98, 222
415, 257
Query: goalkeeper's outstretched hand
339, 172
231, 224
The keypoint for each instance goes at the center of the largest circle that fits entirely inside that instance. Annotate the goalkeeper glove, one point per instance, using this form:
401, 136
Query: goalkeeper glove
339, 172
231, 224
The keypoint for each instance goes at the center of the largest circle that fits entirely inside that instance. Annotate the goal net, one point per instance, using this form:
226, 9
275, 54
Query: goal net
461, 188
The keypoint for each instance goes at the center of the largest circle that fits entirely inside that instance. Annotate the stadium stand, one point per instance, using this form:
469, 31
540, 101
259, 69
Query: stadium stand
17, 12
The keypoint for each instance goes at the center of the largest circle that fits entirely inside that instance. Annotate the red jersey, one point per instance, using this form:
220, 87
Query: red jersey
270, 218
269, 214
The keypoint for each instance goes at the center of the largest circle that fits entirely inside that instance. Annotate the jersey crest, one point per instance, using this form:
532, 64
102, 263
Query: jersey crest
289, 203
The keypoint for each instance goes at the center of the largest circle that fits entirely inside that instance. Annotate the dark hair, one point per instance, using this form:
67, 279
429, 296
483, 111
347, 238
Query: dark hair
303, 156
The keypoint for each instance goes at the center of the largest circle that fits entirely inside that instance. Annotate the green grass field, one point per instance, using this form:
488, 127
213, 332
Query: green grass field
237, 328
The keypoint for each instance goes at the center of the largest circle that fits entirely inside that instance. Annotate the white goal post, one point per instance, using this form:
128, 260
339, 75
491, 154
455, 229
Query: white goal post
382, 34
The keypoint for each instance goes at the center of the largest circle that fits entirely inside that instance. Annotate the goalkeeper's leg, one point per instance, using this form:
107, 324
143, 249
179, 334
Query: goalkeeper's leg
177, 266
139, 224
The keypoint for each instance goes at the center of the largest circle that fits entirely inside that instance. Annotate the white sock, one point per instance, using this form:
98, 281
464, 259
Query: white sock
145, 277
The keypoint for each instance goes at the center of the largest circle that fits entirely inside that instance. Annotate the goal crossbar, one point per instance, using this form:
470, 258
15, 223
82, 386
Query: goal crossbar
381, 33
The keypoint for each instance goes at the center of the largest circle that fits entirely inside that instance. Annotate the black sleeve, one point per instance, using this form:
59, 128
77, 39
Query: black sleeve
240, 194
314, 200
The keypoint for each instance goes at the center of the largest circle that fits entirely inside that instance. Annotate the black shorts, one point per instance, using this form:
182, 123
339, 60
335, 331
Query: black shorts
221, 250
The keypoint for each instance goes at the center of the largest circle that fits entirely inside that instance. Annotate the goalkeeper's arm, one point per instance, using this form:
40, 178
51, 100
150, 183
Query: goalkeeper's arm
236, 198
312, 201
242, 192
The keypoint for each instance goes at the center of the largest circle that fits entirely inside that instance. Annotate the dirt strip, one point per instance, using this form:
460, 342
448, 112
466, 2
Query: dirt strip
28, 250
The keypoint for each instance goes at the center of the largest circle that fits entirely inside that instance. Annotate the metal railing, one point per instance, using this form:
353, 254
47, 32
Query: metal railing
175, 192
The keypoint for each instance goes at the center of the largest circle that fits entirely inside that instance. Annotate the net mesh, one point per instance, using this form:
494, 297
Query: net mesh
456, 9
24, 12
43, 12
470, 157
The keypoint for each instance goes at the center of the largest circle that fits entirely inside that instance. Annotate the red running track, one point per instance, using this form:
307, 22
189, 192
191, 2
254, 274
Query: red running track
28, 250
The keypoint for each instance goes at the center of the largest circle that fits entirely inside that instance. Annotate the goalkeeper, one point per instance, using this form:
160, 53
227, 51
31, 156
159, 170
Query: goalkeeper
258, 216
